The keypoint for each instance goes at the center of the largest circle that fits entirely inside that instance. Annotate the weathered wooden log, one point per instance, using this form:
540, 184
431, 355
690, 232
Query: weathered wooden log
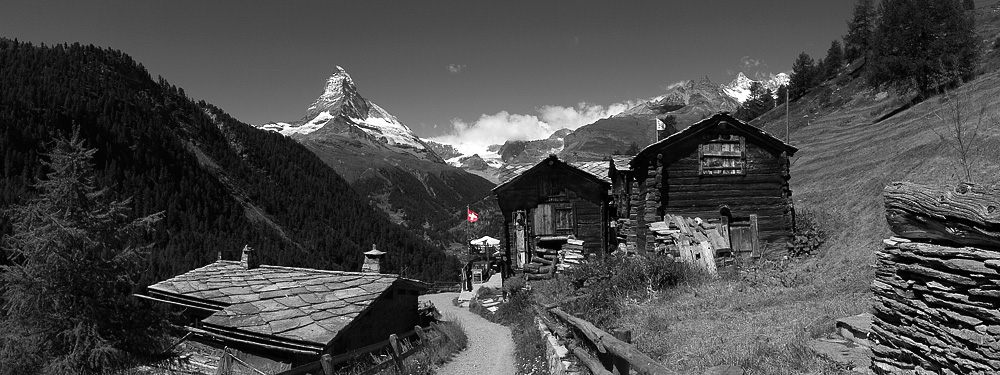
965, 215
534, 277
541, 260
607, 342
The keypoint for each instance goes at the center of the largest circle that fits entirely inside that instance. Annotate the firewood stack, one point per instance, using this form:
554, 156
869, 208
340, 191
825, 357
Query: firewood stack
571, 254
542, 265
937, 305
689, 240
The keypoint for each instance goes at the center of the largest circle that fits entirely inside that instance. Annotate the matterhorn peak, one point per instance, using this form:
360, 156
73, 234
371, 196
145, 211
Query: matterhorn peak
339, 95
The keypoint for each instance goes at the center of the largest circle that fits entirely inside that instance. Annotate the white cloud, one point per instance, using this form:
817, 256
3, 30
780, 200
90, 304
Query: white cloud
455, 68
750, 63
475, 137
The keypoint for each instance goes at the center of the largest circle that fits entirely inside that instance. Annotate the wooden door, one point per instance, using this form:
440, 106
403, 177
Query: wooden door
544, 220
743, 237
740, 239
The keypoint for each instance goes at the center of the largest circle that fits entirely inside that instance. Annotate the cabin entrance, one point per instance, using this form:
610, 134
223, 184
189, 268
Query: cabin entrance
742, 233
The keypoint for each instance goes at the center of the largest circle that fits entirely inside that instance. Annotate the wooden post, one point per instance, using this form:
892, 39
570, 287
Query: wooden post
396, 353
754, 236
327, 362
421, 334
225, 363
621, 364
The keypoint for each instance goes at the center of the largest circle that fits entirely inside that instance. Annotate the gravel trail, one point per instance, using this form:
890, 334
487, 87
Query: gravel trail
490, 350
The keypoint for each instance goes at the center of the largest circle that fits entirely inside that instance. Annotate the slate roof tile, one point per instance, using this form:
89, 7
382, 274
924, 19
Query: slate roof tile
291, 303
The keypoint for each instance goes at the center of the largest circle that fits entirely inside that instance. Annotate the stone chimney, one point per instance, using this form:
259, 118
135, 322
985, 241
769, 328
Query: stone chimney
249, 261
373, 261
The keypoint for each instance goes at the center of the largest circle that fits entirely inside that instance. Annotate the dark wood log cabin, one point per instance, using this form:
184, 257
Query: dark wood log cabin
719, 169
555, 199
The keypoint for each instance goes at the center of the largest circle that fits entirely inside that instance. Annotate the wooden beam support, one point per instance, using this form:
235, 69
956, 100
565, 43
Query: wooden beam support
966, 215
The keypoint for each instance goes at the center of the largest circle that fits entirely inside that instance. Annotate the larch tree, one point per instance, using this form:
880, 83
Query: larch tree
858, 41
67, 290
922, 45
803, 76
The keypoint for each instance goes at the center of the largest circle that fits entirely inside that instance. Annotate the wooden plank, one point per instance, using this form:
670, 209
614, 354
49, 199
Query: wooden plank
966, 215
326, 361
606, 342
543, 220
754, 235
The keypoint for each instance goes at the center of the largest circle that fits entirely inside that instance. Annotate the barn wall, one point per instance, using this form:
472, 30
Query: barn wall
386, 316
540, 186
671, 184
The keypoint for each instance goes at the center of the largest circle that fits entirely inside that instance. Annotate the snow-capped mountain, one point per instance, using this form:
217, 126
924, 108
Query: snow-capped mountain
342, 110
383, 160
739, 88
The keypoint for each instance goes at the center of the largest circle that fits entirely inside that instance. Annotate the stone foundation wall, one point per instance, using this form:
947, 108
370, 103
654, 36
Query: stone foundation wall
936, 309
559, 359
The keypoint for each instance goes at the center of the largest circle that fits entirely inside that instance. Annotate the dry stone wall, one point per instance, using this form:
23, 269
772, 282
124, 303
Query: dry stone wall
936, 309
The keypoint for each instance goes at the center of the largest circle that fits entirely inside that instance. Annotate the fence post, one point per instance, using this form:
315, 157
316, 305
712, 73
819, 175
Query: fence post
396, 353
421, 334
327, 362
621, 365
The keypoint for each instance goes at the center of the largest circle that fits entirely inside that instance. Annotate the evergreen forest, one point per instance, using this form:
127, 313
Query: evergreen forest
219, 183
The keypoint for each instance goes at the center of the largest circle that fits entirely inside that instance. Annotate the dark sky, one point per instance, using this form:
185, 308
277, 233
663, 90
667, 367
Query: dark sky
267, 60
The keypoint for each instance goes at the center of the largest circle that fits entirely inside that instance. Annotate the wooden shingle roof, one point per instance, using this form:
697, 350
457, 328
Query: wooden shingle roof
297, 308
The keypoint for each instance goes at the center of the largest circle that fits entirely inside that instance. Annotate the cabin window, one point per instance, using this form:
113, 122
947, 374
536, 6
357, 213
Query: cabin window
724, 155
564, 218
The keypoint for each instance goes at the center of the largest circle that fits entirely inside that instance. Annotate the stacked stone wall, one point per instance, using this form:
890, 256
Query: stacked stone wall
936, 309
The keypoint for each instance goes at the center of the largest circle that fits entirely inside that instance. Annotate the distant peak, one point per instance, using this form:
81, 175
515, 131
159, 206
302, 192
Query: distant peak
338, 69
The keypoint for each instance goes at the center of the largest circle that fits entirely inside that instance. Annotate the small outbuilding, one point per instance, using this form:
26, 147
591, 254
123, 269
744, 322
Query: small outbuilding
291, 314
555, 201
719, 169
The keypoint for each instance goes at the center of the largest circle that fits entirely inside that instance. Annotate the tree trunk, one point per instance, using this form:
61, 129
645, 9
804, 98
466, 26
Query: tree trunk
967, 215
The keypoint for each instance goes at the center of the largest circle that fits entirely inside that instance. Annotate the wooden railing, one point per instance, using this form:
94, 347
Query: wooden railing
615, 353
444, 286
327, 363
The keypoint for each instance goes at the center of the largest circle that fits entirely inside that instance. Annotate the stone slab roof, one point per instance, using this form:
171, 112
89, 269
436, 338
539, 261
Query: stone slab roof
598, 169
296, 305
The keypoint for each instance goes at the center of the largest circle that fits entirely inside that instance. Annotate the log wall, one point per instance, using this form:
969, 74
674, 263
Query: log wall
671, 183
936, 309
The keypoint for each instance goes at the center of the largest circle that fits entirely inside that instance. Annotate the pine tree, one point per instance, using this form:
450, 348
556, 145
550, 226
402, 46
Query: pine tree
803, 76
834, 59
858, 41
761, 100
67, 304
922, 45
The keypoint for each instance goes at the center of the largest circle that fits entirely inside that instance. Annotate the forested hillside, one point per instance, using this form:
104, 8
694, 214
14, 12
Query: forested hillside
220, 183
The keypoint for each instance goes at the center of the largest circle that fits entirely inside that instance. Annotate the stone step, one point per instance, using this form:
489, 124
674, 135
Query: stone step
856, 328
857, 358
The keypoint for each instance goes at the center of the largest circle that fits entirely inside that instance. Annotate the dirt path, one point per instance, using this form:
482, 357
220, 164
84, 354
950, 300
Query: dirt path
490, 350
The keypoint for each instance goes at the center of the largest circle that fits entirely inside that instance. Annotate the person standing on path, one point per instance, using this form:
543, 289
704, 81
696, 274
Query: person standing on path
490, 349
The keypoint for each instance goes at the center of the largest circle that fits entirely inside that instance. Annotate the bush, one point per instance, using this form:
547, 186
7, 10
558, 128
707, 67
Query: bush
615, 281
808, 237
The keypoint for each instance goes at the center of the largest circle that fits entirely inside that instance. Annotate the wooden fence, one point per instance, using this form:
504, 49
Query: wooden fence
444, 286
615, 353
394, 345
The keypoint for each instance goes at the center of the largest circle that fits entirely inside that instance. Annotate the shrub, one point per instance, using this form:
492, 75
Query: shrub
808, 237
614, 281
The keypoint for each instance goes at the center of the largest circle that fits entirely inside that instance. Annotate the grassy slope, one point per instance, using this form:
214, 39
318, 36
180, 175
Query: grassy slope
762, 319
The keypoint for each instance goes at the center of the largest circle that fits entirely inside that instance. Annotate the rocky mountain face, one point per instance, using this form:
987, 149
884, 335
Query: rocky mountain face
678, 108
383, 160
341, 113
739, 88
685, 104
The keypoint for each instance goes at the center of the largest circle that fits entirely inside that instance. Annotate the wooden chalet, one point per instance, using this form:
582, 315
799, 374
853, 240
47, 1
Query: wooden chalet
721, 170
553, 200
290, 314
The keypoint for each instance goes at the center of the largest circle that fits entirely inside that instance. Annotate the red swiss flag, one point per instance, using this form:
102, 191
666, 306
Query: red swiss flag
473, 216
